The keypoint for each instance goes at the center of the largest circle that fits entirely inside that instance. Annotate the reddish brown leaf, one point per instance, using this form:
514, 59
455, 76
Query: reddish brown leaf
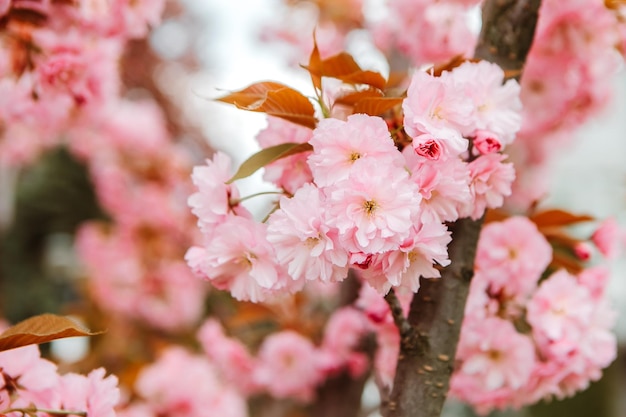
275, 99
351, 98
377, 105
41, 329
287, 104
450, 65
495, 215
343, 67
251, 94
556, 217
315, 62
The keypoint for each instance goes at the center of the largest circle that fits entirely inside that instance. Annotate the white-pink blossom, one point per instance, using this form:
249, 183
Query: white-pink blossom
303, 240
438, 107
215, 200
495, 361
292, 172
443, 184
339, 146
197, 390
93, 394
511, 255
497, 106
374, 208
288, 366
490, 182
230, 356
240, 259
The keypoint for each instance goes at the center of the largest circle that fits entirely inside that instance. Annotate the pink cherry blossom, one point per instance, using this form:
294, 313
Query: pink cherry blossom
560, 310
444, 186
303, 240
215, 200
486, 142
373, 209
38, 378
426, 31
71, 65
339, 146
230, 356
495, 361
596, 280
490, 182
607, 238
94, 393
497, 106
197, 391
343, 335
288, 366
239, 259
436, 106
511, 255
292, 172
416, 257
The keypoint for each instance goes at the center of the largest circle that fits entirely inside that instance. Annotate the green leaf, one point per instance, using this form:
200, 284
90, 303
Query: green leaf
267, 156
41, 329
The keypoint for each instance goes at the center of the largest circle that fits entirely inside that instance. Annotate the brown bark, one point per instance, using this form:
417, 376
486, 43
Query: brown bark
430, 335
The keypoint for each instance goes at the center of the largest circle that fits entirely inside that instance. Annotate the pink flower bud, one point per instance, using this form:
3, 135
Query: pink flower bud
427, 146
486, 142
582, 250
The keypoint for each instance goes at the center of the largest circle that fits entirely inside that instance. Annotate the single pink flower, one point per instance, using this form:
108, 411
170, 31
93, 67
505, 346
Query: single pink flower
292, 172
511, 255
288, 366
443, 184
373, 209
303, 240
340, 146
494, 362
607, 238
94, 393
436, 106
486, 142
490, 182
560, 310
231, 357
240, 259
197, 391
497, 106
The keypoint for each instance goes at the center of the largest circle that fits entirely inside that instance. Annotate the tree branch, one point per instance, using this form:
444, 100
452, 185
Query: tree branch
427, 351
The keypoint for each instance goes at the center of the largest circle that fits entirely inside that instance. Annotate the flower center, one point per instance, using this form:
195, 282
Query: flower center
354, 156
370, 207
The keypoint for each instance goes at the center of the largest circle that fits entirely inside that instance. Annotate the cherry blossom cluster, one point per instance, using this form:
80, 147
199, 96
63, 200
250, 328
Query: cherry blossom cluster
356, 199
422, 31
134, 261
530, 331
60, 85
277, 368
568, 78
31, 385
59, 60
197, 391
426, 31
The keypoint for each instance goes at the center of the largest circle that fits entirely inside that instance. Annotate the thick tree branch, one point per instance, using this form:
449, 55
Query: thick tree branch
427, 351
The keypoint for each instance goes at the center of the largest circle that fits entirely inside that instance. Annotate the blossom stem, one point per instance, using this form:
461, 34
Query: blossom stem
31, 410
242, 199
